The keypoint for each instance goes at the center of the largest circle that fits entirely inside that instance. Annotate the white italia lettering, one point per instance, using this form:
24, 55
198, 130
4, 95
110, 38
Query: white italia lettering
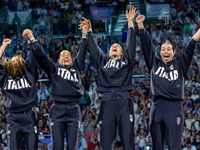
9, 83
112, 63
58, 71
12, 84
72, 79
161, 71
75, 77
107, 64
175, 74
117, 65
66, 74
158, 71
22, 83
166, 76
19, 87
62, 73
172, 75
26, 83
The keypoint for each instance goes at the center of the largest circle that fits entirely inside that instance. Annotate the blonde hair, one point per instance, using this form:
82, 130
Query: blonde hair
9, 68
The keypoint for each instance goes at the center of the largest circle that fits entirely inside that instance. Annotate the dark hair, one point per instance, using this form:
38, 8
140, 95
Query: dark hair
61, 52
89, 112
136, 63
168, 43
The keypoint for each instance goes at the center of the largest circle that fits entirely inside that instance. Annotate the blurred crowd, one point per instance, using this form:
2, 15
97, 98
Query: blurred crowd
61, 15
178, 31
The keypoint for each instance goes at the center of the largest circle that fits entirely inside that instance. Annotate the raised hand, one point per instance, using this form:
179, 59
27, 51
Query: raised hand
28, 34
140, 19
7, 41
131, 14
83, 26
87, 23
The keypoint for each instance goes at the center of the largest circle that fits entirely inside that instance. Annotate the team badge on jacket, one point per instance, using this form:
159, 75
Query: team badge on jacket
35, 129
178, 120
131, 118
171, 67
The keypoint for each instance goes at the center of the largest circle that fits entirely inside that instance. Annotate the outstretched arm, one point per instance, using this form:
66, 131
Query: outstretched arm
146, 42
80, 58
96, 51
6, 42
187, 52
40, 55
2, 71
131, 36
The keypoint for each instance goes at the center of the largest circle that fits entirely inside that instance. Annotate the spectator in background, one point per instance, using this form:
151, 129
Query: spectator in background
2, 147
16, 21
97, 34
70, 37
43, 11
82, 145
89, 127
43, 93
79, 13
193, 27
96, 132
176, 29
97, 147
197, 141
4, 137
103, 46
141, 140
140, 59
11, 5
74, 21
189, 146
45, 146
19, 5
42, 127
42, 25
195, 95
185, 138
17, 47
189, 121
2, 124
77, 5
95, 142
137, 70
124, 32
39, 145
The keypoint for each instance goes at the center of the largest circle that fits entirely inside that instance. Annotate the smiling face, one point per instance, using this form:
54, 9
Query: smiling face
116, 51
65, 59
166, 52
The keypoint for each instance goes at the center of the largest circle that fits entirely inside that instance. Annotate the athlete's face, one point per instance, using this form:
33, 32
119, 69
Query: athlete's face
65, 59
166, 53
116, 51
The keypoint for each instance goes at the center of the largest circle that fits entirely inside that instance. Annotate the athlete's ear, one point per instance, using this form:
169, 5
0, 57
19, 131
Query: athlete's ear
174, 53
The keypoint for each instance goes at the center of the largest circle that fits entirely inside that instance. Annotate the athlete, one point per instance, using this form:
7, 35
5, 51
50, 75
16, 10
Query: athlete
17, 81
66, 91
115, 82
167, 88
